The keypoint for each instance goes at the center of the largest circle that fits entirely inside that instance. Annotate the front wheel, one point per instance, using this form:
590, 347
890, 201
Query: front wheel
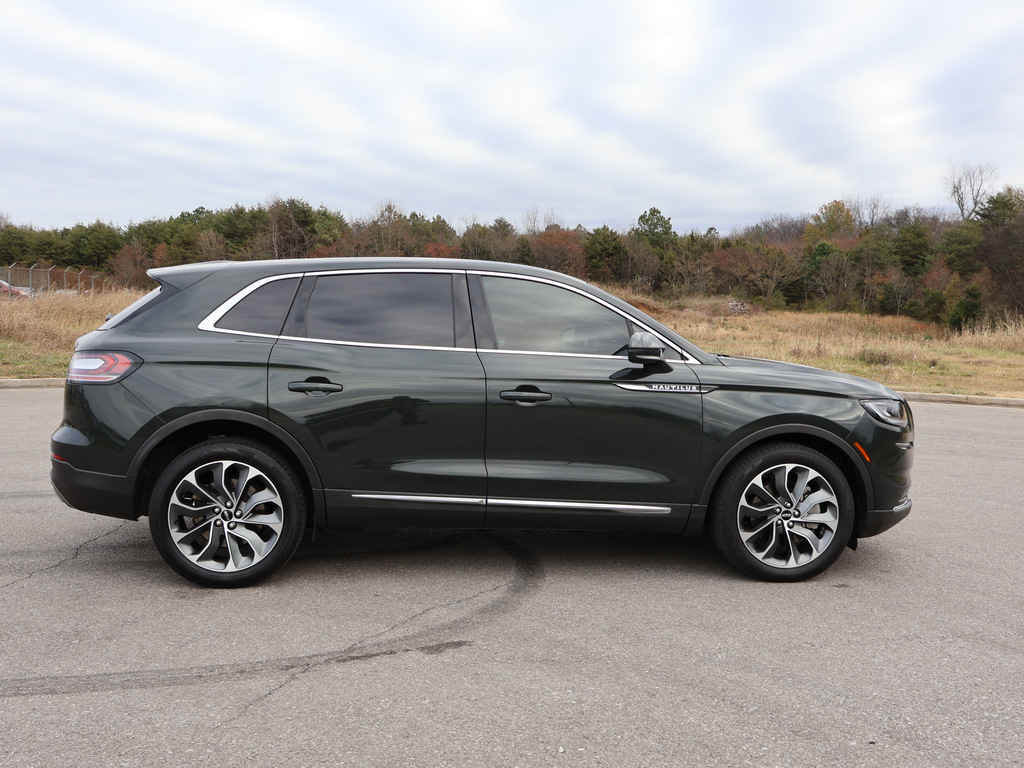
227, 513
782, 512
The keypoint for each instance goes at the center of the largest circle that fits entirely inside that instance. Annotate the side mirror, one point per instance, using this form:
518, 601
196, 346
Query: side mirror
646, 349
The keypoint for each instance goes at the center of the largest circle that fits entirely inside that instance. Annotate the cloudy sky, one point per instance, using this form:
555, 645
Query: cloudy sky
718, 113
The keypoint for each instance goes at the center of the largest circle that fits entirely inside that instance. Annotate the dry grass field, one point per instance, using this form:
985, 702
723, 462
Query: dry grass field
37, 336
903, 353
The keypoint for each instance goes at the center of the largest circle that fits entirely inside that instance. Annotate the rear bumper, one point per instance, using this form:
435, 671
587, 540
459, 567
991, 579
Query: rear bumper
94, 492
877, 520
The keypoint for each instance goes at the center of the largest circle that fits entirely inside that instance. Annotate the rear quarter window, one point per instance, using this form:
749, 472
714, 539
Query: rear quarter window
262, 311
147, 302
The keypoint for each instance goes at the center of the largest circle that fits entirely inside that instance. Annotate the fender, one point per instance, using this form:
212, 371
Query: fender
249, 419
783, 430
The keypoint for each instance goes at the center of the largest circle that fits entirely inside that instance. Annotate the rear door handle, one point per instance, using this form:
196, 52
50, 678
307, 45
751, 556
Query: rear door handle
315, 387
525, 397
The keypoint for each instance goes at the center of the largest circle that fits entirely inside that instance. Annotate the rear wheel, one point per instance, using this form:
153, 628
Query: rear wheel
782, 512
227, 513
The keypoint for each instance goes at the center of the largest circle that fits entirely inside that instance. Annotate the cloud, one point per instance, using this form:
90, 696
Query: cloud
717, 113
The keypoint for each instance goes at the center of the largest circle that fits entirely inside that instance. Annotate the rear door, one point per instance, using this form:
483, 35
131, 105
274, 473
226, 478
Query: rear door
377, 377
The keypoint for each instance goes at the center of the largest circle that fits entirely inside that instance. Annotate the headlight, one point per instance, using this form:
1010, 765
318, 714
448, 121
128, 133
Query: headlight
891, 412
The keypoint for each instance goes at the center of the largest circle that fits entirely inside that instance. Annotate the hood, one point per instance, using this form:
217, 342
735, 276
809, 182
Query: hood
792, 377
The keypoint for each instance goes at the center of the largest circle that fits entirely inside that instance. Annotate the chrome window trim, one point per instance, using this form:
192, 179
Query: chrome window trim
620, 358
209, 323
369, 345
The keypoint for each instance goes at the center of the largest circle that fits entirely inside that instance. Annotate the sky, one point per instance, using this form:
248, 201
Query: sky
717, 113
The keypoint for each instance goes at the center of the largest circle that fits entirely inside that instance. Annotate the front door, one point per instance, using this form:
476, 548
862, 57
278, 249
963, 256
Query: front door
577, 436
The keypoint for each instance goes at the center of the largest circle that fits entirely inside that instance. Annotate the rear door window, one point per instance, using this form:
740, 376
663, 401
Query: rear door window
395, 309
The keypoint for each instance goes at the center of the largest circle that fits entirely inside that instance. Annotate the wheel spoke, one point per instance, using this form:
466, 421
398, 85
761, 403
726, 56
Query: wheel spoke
748, 535
816, 498
807, 535
190, 485
801, 476
259, 547
207, 554
759, 490
241, 483
260, 497
792, 556
237, 560
189, 537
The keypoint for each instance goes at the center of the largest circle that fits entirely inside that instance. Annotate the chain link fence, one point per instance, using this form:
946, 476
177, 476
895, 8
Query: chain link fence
38, 278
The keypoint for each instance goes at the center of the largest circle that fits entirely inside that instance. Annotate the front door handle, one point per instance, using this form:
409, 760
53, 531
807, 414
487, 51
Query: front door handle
525, 396
315, 387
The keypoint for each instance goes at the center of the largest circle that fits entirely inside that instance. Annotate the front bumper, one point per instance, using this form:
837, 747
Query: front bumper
875, 521
94, 492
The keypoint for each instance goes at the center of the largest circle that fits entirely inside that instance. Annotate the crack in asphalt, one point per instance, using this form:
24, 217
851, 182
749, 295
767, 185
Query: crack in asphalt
527, 576
74, 556
430, 650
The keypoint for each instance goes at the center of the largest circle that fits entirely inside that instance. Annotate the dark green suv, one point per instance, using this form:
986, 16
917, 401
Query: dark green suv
239, 403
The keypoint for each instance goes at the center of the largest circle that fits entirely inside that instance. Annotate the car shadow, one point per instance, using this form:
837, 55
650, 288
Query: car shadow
578, 552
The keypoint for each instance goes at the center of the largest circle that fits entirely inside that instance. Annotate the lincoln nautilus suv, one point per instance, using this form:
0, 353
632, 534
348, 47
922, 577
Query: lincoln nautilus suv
239, 404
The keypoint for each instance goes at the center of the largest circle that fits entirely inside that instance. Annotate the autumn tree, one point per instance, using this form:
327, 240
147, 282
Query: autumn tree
495, 242
835, 280
387, 233
694, 264
833, 221
773, 268
868, 212
561, 250
642, 267
968, 185
435, 232
130, 264
776, 229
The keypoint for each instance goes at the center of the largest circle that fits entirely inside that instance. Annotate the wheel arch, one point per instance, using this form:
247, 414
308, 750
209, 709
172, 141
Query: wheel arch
176, 436
840, 453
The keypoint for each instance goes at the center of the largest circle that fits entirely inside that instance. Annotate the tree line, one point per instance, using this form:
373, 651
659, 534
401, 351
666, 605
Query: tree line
943, 266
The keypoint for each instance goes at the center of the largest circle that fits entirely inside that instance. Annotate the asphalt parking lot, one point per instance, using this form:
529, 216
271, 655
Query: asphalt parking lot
441, 648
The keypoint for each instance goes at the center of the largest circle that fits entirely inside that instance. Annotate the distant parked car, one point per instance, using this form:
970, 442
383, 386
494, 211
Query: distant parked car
240, 402
6, 289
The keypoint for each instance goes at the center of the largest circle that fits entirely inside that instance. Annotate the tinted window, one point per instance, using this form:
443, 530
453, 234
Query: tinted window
533, 316
402, 309
148, 301
263, 310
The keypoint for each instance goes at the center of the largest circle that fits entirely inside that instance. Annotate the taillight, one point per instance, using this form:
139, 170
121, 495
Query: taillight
100, 367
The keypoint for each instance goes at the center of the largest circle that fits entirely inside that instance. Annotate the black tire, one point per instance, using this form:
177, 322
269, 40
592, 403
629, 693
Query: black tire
227, 513
754, 529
